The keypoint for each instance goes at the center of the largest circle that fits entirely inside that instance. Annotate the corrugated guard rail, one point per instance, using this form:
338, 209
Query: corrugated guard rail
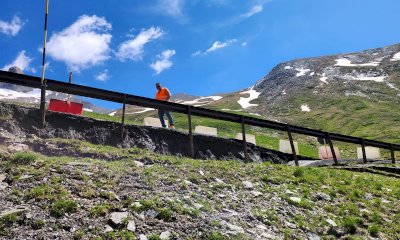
63, 87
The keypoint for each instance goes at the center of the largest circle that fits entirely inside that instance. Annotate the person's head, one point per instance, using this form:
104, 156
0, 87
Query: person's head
158, 86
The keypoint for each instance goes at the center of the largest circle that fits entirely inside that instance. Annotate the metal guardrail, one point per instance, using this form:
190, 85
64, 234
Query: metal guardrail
68, 88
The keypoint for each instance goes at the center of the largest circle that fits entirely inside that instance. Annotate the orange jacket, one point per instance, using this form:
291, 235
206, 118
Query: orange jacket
163, 94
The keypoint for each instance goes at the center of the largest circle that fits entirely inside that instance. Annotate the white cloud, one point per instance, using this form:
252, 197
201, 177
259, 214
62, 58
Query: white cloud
22, 61
84, 44
244, 44
134, 49
11, 28
197, 53
173, 8
216, 46
103, 76
163, 61
254, 10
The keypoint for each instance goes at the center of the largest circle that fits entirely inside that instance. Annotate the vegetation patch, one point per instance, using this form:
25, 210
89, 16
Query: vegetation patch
23, 158
61, 207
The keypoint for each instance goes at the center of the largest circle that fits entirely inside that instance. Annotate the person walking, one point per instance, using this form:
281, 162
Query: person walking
164, 94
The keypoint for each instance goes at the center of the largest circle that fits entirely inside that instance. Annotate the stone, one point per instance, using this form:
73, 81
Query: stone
206, 130
201, 173
187, 182
331, 222
151, 213
372, 153
290, 192
284, 146
25, 176
17, 211
235, 228
142, 237
247, 185
108, 229
313, 236
153, 122
3, 185
118, 218
323, 196
131, 226
250, 138
295, 199
165, 235
136, 205
219, 180
15, 69
17, 147
325, 153
198, 205
138, 164
256, 194
86, 173
290, 225
2, 177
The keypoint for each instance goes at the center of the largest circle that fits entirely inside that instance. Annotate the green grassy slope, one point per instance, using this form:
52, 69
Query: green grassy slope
363, 205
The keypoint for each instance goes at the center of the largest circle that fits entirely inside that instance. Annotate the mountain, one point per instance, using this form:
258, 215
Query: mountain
16, 93
354, 93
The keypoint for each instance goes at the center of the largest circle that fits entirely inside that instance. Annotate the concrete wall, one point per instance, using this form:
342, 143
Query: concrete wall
325, 152
153, 122
284, 146
250, 138
371, 152
206, 130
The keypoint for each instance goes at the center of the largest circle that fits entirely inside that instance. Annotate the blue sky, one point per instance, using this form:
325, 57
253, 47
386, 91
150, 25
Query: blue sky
191, 46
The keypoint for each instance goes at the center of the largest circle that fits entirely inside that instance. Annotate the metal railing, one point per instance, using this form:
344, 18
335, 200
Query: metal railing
68, 88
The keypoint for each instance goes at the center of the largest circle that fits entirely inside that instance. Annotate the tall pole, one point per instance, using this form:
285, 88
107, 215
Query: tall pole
43, 80
69, 81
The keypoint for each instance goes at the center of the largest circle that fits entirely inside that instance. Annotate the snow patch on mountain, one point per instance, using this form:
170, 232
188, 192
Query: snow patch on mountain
8, 94
305, 108
143, 111
366, 77
245, 102
323, 78
288, 68
343, 62
302, 71
392, 86
396, 57
202, 101
112, 113
87, 110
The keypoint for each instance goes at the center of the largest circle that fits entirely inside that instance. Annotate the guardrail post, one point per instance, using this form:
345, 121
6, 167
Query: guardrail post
392, 153
363, 151
296, 161
246, 154
123, 119
328, 137
191, 146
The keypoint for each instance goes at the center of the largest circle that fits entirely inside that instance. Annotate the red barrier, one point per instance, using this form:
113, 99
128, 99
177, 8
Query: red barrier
66, 107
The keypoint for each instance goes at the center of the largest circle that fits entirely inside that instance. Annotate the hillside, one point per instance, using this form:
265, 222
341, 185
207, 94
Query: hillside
131, 193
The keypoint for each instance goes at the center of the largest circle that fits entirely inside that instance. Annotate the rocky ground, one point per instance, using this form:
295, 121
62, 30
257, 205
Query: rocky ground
55, 187
116, 193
